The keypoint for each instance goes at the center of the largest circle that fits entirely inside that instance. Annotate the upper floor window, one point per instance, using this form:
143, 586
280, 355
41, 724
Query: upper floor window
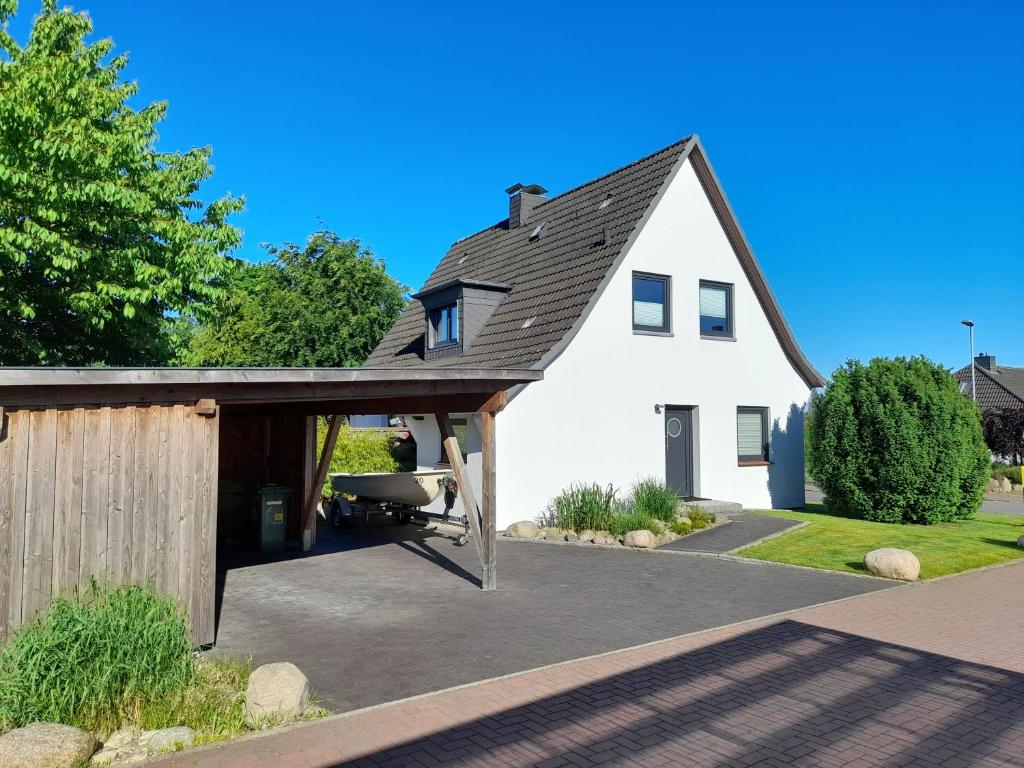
651, 305
444, 325
715, 309
751, 434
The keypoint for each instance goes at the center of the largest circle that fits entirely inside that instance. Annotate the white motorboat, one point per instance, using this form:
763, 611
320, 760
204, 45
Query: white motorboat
411, 489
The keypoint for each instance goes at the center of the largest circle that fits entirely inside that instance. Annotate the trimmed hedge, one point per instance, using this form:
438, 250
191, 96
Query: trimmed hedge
895, 441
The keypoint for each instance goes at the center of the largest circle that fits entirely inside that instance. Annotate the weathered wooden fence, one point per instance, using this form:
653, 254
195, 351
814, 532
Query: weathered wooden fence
126, 494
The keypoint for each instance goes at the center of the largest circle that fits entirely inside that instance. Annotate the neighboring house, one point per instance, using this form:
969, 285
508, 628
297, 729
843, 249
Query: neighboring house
663, 349
998, 386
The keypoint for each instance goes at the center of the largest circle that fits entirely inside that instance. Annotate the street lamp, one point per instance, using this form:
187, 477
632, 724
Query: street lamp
974, 385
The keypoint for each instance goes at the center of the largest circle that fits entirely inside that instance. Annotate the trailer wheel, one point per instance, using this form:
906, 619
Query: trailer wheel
461, 540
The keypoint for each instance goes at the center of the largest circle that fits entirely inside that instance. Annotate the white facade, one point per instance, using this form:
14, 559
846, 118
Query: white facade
593, 417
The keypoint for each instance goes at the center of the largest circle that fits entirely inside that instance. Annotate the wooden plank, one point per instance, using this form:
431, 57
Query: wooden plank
309, 467
173, 490
206, 407
203, 619
146, 435
15, 492
95, 496
186, 524
464, 403
158, 570
39, 505
319, 477
119, 509
469, 505
489, 499
10, 475
67, 518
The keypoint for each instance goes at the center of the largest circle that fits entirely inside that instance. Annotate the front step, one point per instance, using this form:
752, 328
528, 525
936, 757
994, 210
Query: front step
715, 506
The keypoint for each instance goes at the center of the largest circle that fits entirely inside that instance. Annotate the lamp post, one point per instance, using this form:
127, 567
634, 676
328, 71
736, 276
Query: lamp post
974, 385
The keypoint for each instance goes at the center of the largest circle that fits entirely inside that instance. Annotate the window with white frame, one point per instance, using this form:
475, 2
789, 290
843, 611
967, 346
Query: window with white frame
716, 309
751, 434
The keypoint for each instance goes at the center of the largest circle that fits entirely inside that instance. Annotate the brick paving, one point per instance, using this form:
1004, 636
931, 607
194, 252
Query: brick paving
924, 675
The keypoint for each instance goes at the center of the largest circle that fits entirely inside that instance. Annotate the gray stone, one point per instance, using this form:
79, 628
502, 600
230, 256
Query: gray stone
276, 692
1005, 486
122, 737
45, 745
893, 563
553, 534
170, 739
587, 536
642, 539
1020, 542
571, 536
524, 529
603, 537
992, 486
104, 757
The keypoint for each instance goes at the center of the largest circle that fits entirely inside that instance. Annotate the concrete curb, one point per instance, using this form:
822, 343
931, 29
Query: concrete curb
769, 537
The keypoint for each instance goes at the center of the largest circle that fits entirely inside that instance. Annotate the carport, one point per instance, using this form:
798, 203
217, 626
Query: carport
125, 474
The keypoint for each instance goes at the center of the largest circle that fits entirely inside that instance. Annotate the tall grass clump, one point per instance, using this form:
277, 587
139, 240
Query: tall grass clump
653, 498
624, 522
581, 507
93, 655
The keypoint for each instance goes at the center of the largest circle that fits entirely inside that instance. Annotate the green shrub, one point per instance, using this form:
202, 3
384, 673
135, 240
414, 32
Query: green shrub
367, 450
94, 655
652, 497
580, 507
1007, 470
680, 528
624, 522
699, 518
896, 441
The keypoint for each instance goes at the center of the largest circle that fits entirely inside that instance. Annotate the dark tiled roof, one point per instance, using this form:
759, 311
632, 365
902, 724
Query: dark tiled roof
1001, 387
558, 276
552, 278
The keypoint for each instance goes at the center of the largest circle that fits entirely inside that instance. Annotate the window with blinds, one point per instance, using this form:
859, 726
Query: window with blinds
651, 311
715, 309
752, 433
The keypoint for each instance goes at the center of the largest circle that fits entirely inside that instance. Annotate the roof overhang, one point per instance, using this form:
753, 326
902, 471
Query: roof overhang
313, 390
463, 283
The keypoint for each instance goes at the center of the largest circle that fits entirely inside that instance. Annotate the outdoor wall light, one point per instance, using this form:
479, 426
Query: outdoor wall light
657, 408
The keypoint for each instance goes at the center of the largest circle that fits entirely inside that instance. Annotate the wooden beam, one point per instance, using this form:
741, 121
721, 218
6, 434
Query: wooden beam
464, 403
495, 403
206, 406
309, 511
489, 501
469, 505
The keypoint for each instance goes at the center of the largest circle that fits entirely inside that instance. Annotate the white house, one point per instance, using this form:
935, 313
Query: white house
663, 349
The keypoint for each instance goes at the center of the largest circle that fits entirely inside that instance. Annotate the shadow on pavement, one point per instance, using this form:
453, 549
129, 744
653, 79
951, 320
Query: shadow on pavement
790, 693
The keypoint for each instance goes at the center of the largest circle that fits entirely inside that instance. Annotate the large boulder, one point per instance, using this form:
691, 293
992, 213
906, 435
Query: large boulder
1005, 486
552, 534
45, 745
893, 563
277, 693
587, 536
1020, 542
642, 539
603, 537
524, 529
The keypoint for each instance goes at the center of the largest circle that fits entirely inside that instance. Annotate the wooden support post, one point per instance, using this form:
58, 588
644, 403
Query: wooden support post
488, 507
469, 505
309, 510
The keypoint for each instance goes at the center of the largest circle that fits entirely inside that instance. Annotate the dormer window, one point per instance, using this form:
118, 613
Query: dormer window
456, 312
444, 325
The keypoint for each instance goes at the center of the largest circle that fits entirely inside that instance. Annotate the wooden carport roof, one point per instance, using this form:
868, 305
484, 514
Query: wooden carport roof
320, 391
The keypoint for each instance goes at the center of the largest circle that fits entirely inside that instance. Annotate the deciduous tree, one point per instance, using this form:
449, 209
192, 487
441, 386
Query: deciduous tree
327, 303
101, 234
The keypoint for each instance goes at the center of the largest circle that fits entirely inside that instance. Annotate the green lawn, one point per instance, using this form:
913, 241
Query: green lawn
839, 544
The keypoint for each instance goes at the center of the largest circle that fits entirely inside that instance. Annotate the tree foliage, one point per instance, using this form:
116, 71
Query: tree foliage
101, 235
328, 303
1004, 432
895, 441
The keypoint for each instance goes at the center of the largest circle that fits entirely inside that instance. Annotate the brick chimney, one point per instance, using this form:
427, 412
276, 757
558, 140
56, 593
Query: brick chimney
523, 198
988, 362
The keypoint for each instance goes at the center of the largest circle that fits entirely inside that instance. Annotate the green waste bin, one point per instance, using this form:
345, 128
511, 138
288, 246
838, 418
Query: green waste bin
272, 516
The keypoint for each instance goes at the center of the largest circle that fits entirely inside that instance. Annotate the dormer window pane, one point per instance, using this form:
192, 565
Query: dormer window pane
444, 322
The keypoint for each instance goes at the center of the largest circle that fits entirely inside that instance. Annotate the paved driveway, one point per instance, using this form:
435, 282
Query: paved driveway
381, 614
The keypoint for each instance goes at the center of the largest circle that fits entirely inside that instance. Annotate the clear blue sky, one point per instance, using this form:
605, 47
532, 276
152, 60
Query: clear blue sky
874, 152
